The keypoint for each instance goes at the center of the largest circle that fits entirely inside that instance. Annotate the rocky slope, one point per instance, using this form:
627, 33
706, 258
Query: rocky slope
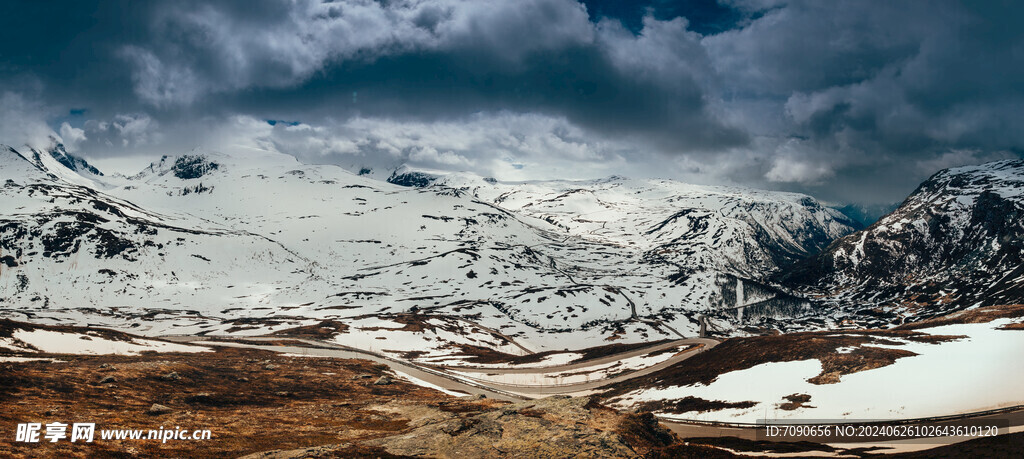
957, 241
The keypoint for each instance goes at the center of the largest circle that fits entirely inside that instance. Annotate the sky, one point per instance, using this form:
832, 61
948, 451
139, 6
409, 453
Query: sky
853, 102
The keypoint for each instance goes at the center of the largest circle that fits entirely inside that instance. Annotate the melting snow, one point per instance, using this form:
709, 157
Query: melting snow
975, 374
54, 342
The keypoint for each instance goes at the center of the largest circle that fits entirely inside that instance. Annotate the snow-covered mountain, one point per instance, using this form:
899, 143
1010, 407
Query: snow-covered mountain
208, 242
957, 241
743, 232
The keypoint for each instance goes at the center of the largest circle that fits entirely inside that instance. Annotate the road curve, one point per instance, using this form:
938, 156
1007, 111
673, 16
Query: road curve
462, 383
534, 391
707, 343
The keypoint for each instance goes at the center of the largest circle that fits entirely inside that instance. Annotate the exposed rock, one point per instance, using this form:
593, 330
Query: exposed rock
172, 376
158, 409
411, 179
70, 161
795, 401
382, 381
193, 166
109, 379
551, 427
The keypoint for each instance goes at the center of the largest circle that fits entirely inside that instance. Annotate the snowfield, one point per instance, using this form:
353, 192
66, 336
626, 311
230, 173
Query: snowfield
28, 359
978, 373
54, 342
576, 375
391, 338
249, 244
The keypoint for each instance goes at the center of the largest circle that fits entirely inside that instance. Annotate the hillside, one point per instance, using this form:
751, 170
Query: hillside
957, 241
206, 242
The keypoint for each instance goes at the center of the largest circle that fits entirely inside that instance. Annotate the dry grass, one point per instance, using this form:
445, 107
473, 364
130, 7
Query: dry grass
256, 401
251, 401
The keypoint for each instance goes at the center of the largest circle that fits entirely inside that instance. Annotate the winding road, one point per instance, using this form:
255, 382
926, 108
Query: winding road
469, 385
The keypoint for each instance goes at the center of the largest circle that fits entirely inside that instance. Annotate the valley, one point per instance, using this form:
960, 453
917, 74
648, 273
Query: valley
719, 307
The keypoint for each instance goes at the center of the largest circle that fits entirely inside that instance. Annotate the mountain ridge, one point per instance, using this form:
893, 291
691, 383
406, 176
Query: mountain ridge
955, 242
268, 242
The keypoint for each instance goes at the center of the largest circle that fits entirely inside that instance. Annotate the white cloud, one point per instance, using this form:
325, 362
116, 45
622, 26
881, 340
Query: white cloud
162, 83
135, 128
795, 161
72, 136
123, 131
664, 52
505, 145
483, 142
799, 95
430, 155
22, 121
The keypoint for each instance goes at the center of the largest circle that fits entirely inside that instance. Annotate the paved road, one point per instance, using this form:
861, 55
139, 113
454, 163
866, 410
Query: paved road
541, 391
466, 384
707, 343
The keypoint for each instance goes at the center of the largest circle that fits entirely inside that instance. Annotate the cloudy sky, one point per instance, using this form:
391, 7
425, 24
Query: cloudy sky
852, 102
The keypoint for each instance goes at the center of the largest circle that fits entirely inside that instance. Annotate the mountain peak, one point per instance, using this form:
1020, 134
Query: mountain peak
200, 162
53, 161
59, 153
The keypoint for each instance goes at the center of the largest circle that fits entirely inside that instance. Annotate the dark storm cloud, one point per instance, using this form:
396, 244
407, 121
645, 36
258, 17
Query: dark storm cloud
68, 48
428, 60
852, 101
876, 93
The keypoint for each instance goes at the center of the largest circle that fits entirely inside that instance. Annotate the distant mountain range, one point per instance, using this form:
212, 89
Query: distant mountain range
206, 242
